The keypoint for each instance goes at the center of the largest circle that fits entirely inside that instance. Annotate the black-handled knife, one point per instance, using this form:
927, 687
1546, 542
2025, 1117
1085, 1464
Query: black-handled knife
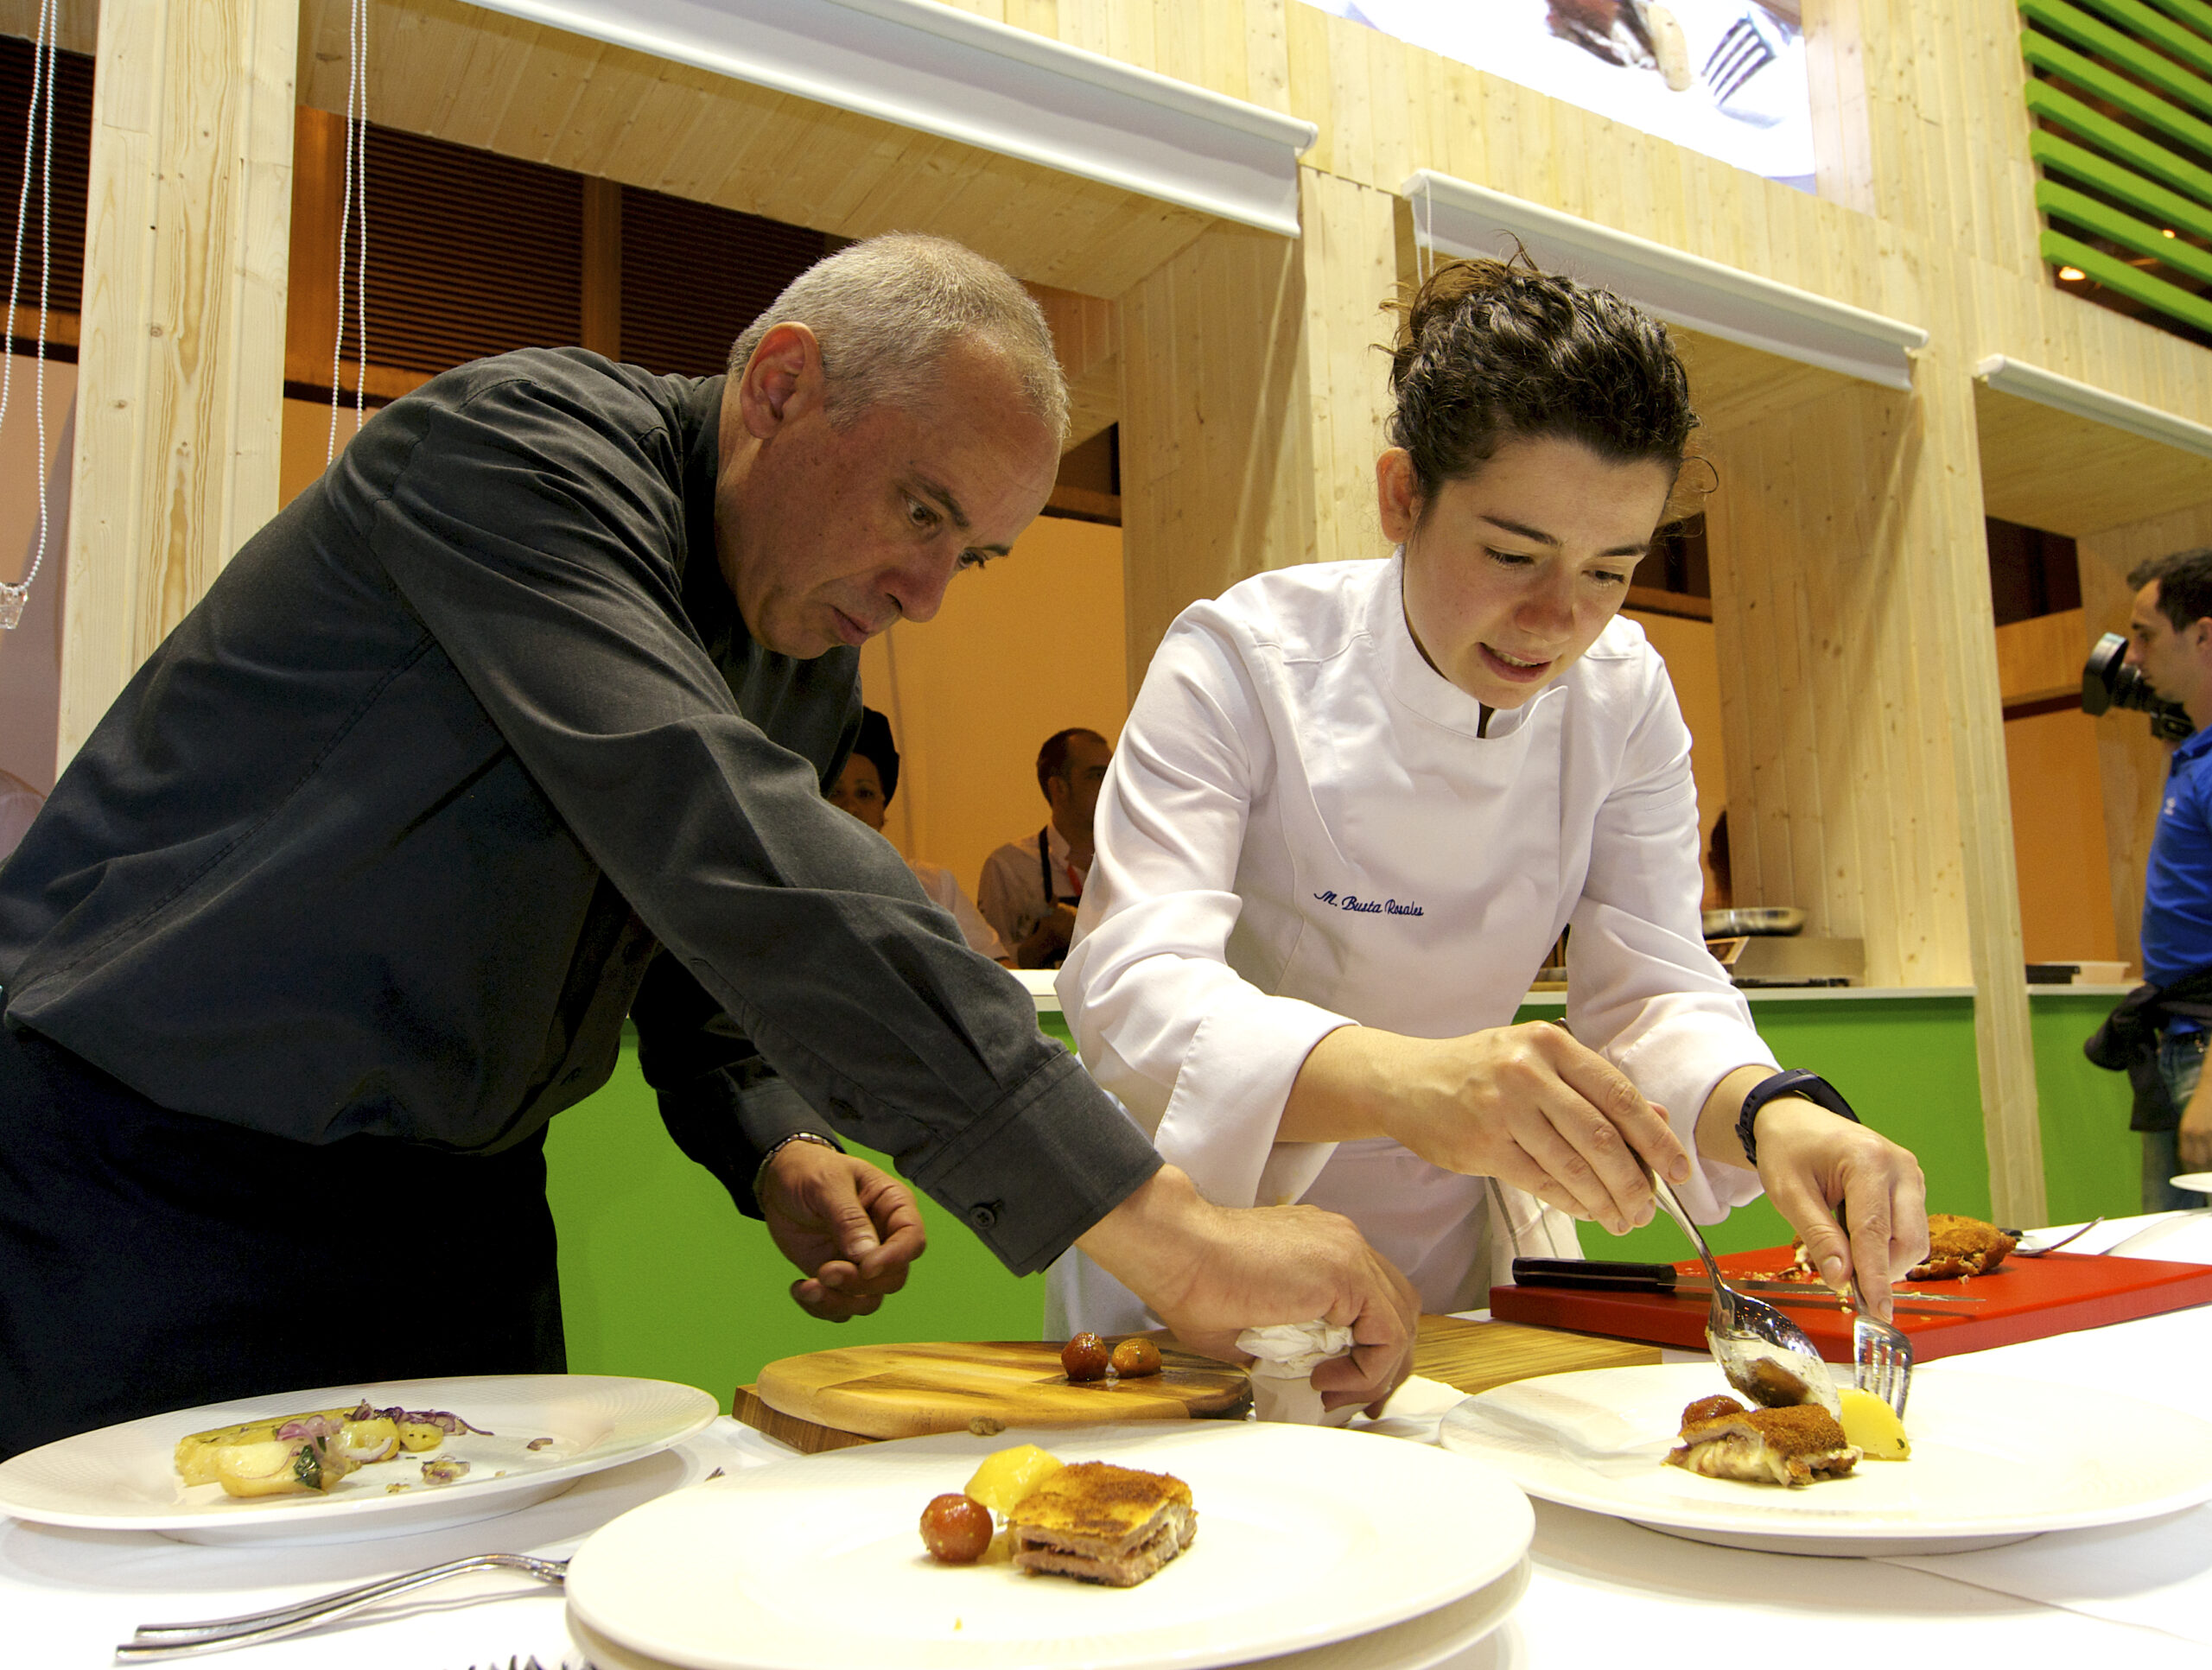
1597, 1275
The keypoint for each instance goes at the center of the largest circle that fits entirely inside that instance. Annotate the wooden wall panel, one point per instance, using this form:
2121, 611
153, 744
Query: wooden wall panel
1217, 452
2131, 762
180, 360
477, 77
1862, 713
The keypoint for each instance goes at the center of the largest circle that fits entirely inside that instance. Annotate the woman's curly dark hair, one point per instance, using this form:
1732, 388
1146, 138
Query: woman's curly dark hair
1488, 352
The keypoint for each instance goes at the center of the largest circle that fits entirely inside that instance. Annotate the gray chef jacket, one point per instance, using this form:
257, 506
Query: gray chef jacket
466, 755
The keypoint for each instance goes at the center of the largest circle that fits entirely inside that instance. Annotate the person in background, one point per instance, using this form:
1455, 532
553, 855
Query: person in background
1355, 804
2159, 1033
1032, 886
865, 787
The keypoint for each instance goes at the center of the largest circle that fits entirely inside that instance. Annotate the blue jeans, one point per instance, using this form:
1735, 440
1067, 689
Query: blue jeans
2181, 1064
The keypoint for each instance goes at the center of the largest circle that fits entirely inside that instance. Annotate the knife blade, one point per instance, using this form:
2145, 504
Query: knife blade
1623, 1276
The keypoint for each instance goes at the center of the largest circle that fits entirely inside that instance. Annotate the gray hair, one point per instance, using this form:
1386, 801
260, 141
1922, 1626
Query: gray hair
887, 309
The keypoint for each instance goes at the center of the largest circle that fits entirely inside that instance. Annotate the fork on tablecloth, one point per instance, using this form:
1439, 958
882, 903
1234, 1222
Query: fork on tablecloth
154, 1641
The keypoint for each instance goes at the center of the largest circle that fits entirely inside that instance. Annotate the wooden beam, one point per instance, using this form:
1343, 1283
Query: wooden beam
455, 71
182, 361
1863, 717
2040, 660
601, 329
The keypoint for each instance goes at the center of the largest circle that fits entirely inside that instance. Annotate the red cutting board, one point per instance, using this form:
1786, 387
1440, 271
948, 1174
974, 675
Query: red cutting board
2023, 1298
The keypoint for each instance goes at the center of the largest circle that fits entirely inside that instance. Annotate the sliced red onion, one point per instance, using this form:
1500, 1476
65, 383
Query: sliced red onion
311, 1426
537, 1443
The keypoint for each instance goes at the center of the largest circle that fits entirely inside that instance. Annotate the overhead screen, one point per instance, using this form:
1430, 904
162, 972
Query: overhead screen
1725, 78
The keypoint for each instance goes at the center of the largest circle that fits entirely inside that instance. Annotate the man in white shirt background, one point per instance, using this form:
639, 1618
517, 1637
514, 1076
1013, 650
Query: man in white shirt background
1031, 884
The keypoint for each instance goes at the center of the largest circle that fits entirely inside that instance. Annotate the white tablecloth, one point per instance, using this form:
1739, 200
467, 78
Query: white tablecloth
1603, 1591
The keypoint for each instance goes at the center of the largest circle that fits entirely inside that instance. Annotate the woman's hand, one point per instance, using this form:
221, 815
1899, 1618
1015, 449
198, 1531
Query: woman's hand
1813, 1164
1526, 1105
850, 1227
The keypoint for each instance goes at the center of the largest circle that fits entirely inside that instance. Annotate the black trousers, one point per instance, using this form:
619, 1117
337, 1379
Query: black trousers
152, 1260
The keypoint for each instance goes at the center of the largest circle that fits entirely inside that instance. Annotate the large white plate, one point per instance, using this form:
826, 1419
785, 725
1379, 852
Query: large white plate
1994, 1460
1306, 1536
123, 1478
1433, 1638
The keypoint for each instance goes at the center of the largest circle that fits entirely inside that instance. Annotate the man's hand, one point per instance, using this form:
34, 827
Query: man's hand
850, 1227
2194, 1139
1209, 1273
1526, 1105
1049, 940
1812, 1163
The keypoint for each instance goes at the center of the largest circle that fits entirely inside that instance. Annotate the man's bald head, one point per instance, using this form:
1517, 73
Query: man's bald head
886, 311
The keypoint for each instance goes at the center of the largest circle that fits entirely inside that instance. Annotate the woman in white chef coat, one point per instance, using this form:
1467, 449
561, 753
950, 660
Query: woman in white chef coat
1355, 804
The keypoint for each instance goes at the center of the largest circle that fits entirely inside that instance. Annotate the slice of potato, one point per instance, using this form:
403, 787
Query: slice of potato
278, 1467
1873, 1426
1008, 1476
199, 1457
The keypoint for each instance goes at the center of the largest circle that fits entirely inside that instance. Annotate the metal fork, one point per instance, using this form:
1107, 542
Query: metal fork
1881, 1355
1743, 51
152, 1642
1765, 1355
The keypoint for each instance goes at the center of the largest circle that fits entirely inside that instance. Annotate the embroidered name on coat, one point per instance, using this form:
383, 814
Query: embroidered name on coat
1367, 906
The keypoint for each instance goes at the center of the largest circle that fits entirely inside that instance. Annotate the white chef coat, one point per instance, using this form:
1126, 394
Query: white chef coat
941, 885
1304, 827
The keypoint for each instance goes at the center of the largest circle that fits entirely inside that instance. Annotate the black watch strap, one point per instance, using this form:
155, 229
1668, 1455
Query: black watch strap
1808, 1087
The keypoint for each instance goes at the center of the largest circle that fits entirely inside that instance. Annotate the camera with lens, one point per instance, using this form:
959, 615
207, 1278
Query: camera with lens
2108, 682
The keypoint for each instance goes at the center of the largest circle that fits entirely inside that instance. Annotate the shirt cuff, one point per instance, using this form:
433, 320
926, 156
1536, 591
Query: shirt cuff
1070, 1152
1221, 1121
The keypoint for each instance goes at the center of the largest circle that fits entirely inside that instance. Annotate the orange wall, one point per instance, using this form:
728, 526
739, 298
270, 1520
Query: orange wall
2058, 838
1029, 645
1686, 647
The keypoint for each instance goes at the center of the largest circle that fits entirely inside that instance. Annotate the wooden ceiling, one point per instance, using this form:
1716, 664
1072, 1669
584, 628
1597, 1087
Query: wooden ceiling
2049, 469
1732, 385
484, 79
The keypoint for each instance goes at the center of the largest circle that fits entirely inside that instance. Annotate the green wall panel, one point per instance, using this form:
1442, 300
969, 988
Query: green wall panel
2092, 1164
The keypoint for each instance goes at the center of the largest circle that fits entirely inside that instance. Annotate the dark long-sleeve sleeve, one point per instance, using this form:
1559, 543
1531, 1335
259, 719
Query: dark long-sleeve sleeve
457, 739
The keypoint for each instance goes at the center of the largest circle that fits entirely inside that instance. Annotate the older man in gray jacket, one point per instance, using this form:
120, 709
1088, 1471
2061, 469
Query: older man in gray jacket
512, 725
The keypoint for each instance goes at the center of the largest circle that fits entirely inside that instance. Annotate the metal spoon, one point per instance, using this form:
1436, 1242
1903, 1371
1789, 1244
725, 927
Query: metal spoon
1765, 1355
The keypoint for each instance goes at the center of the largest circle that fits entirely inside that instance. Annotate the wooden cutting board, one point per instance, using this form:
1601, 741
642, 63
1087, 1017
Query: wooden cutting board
1470, 1356
2022, 1299
903, 1391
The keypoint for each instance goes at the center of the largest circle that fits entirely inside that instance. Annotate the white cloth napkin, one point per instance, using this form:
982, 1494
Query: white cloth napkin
1536, 1418
1286, 1355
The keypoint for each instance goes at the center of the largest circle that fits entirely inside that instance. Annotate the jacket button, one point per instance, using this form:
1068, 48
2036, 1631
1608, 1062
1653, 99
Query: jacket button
983, 1216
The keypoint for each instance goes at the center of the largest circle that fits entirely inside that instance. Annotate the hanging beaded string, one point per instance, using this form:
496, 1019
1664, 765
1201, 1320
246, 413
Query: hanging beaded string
357, 186
14, 594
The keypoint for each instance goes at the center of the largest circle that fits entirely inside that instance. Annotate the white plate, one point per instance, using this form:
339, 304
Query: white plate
1306, 1536
124, 1478
1433, 1638
2201, 1182
1994, 1460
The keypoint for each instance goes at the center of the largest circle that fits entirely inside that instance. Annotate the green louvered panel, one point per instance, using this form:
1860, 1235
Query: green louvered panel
2061, 251
2125, 147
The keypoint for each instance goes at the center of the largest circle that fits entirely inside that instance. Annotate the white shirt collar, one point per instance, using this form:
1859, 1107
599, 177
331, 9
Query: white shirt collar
1412, 682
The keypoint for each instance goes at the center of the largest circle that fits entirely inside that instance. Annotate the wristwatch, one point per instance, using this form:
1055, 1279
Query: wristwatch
1807, 1086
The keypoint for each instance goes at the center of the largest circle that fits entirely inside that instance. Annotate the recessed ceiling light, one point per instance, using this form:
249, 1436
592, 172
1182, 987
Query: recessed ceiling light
2071, 274
2168, 232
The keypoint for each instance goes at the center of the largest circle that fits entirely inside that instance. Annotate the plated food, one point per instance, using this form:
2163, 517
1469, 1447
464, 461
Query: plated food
1102, 1523
298, 1455
1958, 1247
1093, 1520
1792, 1446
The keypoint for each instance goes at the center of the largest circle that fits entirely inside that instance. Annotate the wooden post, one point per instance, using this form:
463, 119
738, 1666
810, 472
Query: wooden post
180, 360
1252, 404
600, 328
1862, 713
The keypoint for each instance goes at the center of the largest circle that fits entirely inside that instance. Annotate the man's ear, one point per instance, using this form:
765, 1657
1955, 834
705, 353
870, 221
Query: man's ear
1397, 494
783, 377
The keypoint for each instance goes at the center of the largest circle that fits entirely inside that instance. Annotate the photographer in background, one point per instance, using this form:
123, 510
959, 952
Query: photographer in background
2158, 1036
